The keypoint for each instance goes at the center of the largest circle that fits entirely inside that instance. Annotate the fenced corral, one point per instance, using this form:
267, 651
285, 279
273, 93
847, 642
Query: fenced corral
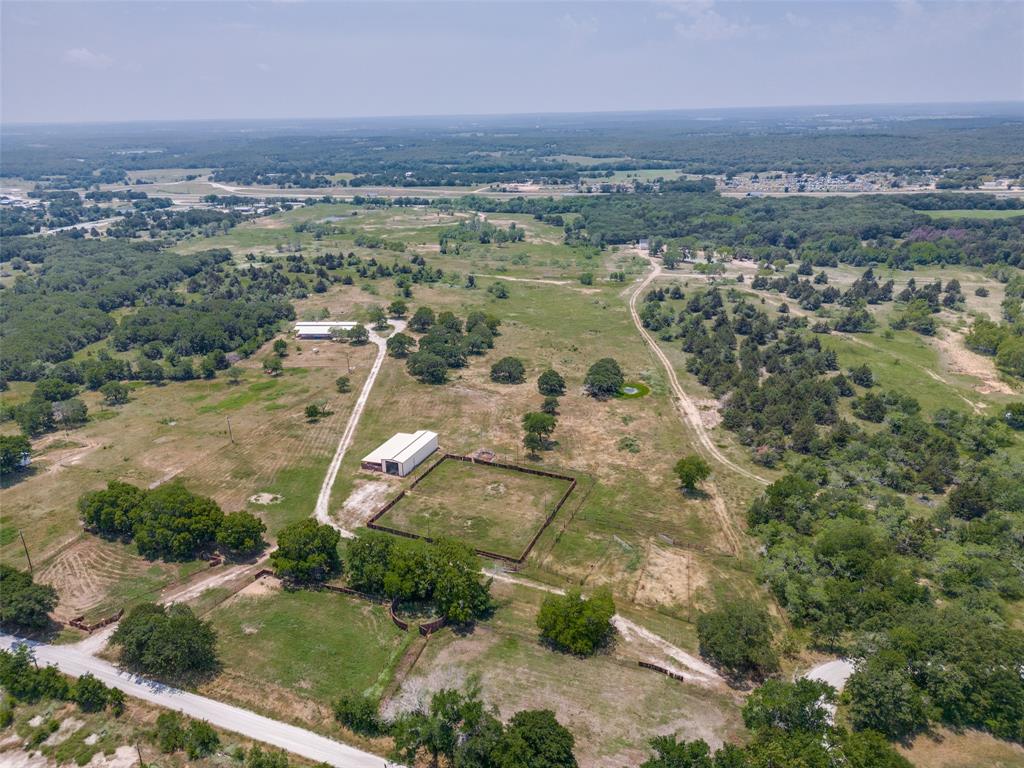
490, 506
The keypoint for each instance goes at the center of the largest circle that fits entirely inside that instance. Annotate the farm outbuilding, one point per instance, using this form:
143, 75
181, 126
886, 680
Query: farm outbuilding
402, 453
320, 329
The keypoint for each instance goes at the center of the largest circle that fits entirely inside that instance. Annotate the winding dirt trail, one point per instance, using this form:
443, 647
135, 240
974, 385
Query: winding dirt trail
687, 407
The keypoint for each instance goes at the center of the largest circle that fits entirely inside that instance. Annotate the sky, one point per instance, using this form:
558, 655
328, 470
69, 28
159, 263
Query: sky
100, 61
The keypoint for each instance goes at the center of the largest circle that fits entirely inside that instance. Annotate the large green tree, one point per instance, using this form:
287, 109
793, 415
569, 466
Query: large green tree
307, 552
24, 605
737, 637
604, 379
171, 643
175, 523
577, 624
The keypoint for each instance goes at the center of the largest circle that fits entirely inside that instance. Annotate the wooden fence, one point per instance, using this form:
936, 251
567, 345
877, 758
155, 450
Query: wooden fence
79, 622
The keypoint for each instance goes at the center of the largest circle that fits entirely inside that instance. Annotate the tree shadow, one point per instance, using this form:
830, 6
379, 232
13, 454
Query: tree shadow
11, 479
696, 494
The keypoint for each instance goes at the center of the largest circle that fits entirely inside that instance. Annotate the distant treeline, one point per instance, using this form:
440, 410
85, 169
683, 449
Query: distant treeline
862, 230
515, 149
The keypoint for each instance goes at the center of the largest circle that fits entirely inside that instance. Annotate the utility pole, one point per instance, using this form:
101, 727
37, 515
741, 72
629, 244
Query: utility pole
689, 593
25, 546
348, 362
142, 763
231, 437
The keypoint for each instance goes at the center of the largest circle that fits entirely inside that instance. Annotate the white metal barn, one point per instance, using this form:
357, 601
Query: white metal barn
320, 329
402, 453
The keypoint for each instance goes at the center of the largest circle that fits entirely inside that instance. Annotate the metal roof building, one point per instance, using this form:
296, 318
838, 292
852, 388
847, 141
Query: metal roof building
320, 329
402, 453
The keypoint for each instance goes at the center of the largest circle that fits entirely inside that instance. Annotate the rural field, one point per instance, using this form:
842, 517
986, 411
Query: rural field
667, 555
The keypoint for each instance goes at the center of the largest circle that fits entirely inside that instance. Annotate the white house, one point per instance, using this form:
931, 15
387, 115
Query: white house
320, 329
402, 453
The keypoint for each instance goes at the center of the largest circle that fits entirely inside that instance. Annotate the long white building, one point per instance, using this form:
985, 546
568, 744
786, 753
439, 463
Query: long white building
402, 453
320, 329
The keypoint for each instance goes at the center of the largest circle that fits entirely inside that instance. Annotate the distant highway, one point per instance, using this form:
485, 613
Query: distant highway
76, 661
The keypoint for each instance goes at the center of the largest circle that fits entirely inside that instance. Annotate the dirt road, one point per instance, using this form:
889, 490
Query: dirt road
687, 408
695, 670
323, 501
75, 661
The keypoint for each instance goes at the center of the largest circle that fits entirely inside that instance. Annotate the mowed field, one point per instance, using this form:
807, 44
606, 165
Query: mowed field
489, 508
293, 653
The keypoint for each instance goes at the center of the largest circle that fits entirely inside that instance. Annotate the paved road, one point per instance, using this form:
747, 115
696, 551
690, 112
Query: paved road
74, 661
323, 501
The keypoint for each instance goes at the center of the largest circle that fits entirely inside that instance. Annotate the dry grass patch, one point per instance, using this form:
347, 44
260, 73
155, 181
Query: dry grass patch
490, 508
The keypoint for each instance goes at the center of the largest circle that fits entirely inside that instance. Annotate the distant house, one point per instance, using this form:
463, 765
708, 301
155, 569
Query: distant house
643, 244
402, 453
320, 329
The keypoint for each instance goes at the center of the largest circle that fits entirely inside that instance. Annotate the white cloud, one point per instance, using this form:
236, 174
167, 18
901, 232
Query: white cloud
795, 20
700, 20
86, 59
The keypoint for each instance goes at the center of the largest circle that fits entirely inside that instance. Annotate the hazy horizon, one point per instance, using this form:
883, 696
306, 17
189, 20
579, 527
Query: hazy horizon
1010, 105
105, 62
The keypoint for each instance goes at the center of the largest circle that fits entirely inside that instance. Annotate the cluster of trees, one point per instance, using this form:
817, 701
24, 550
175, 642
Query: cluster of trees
456, 727
446, 573
868, 580
169, 521
167, 643
66, 303
54, 403
577, 624
197, 738
23, 680
790, 725
447, 342
25, 605
307, 552
478, 230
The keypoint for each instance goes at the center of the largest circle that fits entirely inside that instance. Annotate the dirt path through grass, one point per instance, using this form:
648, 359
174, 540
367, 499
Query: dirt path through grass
697, 670
321, 512
687, 407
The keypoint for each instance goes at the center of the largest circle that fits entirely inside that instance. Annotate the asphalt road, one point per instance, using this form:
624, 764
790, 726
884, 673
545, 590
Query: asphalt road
75, 661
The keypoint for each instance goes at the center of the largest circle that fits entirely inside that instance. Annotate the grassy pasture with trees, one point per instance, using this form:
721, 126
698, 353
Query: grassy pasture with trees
874, 558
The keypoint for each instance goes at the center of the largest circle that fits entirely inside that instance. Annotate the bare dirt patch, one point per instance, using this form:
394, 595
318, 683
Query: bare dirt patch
366, 498
671, 578
265, 586
264, 498
963, 361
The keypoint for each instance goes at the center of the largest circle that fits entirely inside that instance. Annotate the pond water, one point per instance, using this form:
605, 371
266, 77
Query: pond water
629, 390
